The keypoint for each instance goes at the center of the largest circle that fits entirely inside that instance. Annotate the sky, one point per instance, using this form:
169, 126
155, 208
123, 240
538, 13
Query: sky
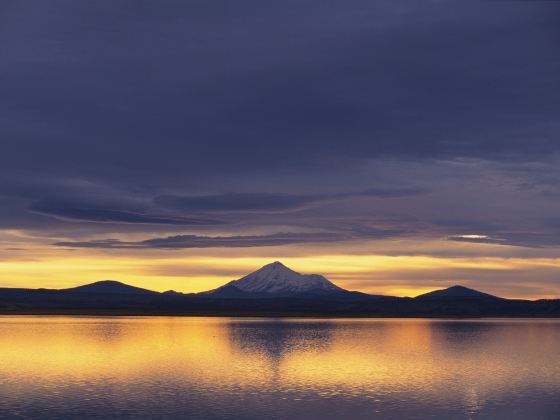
393, 146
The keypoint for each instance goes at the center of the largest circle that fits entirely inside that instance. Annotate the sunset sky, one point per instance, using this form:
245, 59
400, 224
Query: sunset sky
394, 147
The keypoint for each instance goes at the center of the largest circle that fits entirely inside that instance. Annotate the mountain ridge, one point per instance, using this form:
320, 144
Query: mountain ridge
276, 280
271, 291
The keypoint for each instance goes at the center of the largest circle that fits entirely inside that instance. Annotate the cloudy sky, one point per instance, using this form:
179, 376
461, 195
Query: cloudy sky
394, 146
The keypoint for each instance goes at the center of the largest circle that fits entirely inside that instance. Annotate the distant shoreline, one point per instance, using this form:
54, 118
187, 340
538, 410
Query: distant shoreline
245, 314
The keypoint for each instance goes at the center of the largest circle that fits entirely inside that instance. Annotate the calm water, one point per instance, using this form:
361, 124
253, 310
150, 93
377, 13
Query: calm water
214, 368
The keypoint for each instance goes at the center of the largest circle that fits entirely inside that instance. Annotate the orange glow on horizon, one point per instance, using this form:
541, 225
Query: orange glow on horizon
376, 274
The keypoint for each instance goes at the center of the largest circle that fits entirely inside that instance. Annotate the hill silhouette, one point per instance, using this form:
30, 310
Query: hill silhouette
109, 287
456, 291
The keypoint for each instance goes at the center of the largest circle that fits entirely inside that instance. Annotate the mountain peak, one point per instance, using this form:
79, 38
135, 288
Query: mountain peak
275, 267
277, 264
456, 291
277, 279
109, 286
460, 289
106, 283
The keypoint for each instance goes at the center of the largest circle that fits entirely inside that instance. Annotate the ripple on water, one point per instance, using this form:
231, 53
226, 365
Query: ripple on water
119, 367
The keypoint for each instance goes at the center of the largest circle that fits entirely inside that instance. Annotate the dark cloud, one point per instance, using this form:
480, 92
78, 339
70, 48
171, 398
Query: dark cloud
339, 232
82, 212
268, 202
116, 207
152, 96
193, 241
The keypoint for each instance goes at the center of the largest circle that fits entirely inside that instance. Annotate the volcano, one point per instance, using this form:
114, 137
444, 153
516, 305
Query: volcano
277, 280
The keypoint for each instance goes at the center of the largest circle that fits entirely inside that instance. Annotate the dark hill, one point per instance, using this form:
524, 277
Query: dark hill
456, 292
109, 287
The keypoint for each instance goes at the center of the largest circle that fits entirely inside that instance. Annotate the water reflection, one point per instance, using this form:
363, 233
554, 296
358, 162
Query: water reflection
275, 339
287, 368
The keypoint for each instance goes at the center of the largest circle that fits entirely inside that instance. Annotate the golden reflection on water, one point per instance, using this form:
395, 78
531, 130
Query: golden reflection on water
467, 362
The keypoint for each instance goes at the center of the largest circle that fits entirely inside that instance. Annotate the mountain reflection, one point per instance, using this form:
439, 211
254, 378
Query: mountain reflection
277, 338
270, 343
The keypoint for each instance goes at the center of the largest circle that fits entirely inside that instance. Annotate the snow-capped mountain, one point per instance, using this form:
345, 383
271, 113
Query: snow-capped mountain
276, 279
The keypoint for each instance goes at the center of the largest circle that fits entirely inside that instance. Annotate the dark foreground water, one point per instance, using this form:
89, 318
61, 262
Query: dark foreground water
214, 368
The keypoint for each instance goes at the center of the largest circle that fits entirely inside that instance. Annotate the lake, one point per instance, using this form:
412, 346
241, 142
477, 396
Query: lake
242, 368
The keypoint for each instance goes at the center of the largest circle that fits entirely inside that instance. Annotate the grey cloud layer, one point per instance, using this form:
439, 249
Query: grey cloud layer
152, 95
419, 118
